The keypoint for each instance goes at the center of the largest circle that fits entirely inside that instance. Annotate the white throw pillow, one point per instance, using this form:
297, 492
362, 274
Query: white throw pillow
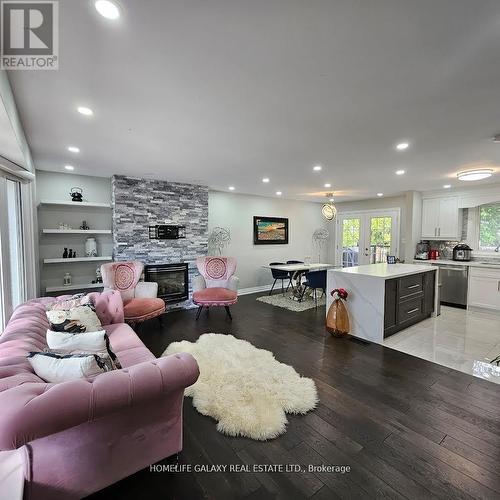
93, 342
82, 343
54, 367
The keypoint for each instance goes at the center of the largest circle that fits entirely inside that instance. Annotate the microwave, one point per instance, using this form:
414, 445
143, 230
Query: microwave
167, 232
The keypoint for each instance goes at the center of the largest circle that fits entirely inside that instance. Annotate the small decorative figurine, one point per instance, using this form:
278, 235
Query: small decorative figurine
76, 194
65, 253
84, 226
98, 275
70, 253
67, 279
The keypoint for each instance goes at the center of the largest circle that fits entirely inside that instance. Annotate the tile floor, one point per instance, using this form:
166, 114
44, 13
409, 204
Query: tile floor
459, 339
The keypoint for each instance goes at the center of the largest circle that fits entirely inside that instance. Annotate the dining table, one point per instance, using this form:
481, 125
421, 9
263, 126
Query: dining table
298, 271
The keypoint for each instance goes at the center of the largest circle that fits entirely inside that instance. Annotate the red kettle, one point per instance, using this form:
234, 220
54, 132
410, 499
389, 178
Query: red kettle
434, 254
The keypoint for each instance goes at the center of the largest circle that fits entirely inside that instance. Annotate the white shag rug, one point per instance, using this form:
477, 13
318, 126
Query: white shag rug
244, 388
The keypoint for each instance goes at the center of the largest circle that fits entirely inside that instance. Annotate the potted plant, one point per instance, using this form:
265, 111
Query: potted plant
337, 319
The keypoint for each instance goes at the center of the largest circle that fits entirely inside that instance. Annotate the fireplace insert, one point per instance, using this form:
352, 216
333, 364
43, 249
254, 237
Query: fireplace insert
172, 280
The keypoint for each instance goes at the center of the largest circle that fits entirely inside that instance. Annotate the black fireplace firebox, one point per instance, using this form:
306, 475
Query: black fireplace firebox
172, 279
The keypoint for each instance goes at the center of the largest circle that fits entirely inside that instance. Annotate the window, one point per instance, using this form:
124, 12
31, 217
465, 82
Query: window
12, 275
489, 227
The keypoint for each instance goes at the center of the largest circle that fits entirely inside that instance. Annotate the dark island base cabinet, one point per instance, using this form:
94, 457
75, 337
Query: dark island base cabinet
408, 300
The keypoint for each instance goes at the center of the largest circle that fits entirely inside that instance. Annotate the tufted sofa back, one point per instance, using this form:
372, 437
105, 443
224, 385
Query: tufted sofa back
27, 330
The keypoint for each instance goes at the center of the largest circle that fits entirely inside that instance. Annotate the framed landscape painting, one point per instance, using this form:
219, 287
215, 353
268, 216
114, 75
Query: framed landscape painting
270, 231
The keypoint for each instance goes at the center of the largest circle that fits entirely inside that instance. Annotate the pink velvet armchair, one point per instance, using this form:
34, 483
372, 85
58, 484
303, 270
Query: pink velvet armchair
216, 285
140, 300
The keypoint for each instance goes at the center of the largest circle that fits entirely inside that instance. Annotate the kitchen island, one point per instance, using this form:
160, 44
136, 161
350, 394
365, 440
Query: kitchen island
385, 298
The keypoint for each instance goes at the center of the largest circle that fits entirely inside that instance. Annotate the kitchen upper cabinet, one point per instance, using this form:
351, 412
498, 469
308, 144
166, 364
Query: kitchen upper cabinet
484, 288
430, 218
440, 219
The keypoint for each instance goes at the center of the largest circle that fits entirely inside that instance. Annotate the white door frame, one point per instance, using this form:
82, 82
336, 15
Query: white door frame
365, 215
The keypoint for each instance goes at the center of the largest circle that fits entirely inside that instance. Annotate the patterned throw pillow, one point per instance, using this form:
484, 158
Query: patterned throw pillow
79, 299
60, 367
75, 315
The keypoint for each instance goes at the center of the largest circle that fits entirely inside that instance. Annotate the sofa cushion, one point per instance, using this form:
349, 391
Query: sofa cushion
127, 346
215, 296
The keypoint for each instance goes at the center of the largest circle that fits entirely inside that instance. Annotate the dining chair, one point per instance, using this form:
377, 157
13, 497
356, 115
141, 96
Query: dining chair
278, 274
315, 280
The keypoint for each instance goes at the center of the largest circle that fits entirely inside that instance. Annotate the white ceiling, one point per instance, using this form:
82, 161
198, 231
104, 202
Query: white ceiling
227, 92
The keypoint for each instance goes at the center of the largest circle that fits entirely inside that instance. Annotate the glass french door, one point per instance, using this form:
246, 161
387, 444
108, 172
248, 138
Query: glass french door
12, 276
367, 237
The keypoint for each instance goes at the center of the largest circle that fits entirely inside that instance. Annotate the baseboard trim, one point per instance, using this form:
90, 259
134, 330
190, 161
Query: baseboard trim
254, 289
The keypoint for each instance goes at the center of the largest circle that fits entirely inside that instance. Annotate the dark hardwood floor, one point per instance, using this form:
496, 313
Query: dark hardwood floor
407, 428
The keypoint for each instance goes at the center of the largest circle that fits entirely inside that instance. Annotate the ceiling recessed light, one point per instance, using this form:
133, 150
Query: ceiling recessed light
328, 185
475, 175
69, 167
447, 186
279, 193
265, 179
231, 188
380, 194
317, 168
73, 149
107, 9
402, 146
85, 111
400, 172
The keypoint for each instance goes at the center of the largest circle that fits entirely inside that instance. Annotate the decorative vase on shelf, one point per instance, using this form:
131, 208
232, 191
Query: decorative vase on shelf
67, 279
90, 247
337, 319
65, 253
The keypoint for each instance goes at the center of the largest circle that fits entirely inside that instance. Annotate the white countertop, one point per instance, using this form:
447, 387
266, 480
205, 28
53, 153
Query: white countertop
299, 267
471, 263
385, 271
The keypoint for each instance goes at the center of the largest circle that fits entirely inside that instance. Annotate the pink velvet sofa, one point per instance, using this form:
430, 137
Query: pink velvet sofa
81, 436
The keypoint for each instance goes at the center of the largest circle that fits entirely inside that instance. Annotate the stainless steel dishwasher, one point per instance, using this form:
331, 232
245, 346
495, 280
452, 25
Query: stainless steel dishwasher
453, 280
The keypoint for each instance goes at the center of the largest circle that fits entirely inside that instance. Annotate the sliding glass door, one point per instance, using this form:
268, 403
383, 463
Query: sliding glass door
12, 273
367, 237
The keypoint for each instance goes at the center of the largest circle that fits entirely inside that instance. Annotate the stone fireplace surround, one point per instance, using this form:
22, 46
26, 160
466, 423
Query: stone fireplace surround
139, 203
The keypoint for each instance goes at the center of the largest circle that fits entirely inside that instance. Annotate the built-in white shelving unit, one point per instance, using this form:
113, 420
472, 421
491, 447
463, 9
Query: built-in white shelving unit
76, 286
76, 204
76, 231
76, 259
55, 210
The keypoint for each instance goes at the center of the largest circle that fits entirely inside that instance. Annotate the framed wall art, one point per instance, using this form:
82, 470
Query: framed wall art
270, 231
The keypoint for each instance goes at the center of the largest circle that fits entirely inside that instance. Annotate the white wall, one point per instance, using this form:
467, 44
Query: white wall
10, 109
236, 212
378, 204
